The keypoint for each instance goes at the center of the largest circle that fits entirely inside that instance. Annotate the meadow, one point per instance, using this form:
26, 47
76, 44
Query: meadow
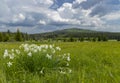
91, 62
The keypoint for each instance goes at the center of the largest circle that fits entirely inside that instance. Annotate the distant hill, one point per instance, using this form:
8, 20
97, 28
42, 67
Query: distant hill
76, 33
63, 35
72, 30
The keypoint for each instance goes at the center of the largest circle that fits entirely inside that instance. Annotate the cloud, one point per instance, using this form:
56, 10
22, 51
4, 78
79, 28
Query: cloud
42, 22
78, 16
44, 3
105, 7
18, 18
86, 4
35, 14
112, 16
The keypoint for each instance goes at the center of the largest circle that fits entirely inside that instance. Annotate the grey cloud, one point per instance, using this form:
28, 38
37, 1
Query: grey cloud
100, 10
59, 3
105, 7
87, 4
47, 15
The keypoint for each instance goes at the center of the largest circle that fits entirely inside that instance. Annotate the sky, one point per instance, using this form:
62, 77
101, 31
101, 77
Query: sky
37, 16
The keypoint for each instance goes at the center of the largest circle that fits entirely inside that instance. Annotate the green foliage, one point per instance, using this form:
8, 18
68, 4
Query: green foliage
26, 36
1, 37
88, 39
94, 39
18, 36
71, 35
105, 38
71, 39
8, 32
99, 38
77, 33
81, 39
6, 37
91, 62
36, 60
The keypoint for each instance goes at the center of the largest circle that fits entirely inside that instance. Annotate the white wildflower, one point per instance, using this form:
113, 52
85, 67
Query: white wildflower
12, 50
64, 54
35, 50
68, 58
49, 56
17, 51
67, 64
46, 46
39, 48
6, 54
41, 71
70, 71
9, 64
58, 48
53, 51
11, 56
50, 46
62, 72
26, 49
29, 54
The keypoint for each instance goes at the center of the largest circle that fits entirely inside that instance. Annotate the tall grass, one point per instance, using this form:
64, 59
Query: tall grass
91, 62
34, 60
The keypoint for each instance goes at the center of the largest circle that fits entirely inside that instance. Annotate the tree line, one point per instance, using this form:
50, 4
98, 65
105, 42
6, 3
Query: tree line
72, 37
58, 36
11, 37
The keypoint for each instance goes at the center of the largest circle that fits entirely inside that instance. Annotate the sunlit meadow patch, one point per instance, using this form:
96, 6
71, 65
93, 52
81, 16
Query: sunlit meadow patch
36, 59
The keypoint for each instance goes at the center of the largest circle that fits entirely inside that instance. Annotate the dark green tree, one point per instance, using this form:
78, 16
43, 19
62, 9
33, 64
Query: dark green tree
6, 37
26, 36
8, 31
99, 38
105, 38
118, 38
1, 37
18, 36
94, 39
82, 39
71, 39
88, 39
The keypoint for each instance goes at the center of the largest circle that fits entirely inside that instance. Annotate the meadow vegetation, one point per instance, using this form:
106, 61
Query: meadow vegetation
84, 62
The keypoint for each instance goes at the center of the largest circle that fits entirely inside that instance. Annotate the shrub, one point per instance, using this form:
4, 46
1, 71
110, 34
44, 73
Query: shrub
35, 59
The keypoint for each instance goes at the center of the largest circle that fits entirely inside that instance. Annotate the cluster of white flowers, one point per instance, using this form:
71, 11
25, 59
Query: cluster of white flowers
10, 55
31, 50
37, 48
9, 64
6, 54
29, 54
63, 71
49, 56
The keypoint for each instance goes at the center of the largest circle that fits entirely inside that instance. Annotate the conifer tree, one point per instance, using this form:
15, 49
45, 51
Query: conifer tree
6, 37
1, 37
18, 36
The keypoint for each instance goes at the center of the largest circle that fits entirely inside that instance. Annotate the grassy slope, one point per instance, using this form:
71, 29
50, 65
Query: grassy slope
97, 62
63, 33
77, 30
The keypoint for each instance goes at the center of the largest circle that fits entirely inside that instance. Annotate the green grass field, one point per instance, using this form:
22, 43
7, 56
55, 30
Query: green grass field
91, 62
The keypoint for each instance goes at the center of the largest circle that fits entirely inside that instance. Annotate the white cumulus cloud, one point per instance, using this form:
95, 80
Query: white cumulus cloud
35, 13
